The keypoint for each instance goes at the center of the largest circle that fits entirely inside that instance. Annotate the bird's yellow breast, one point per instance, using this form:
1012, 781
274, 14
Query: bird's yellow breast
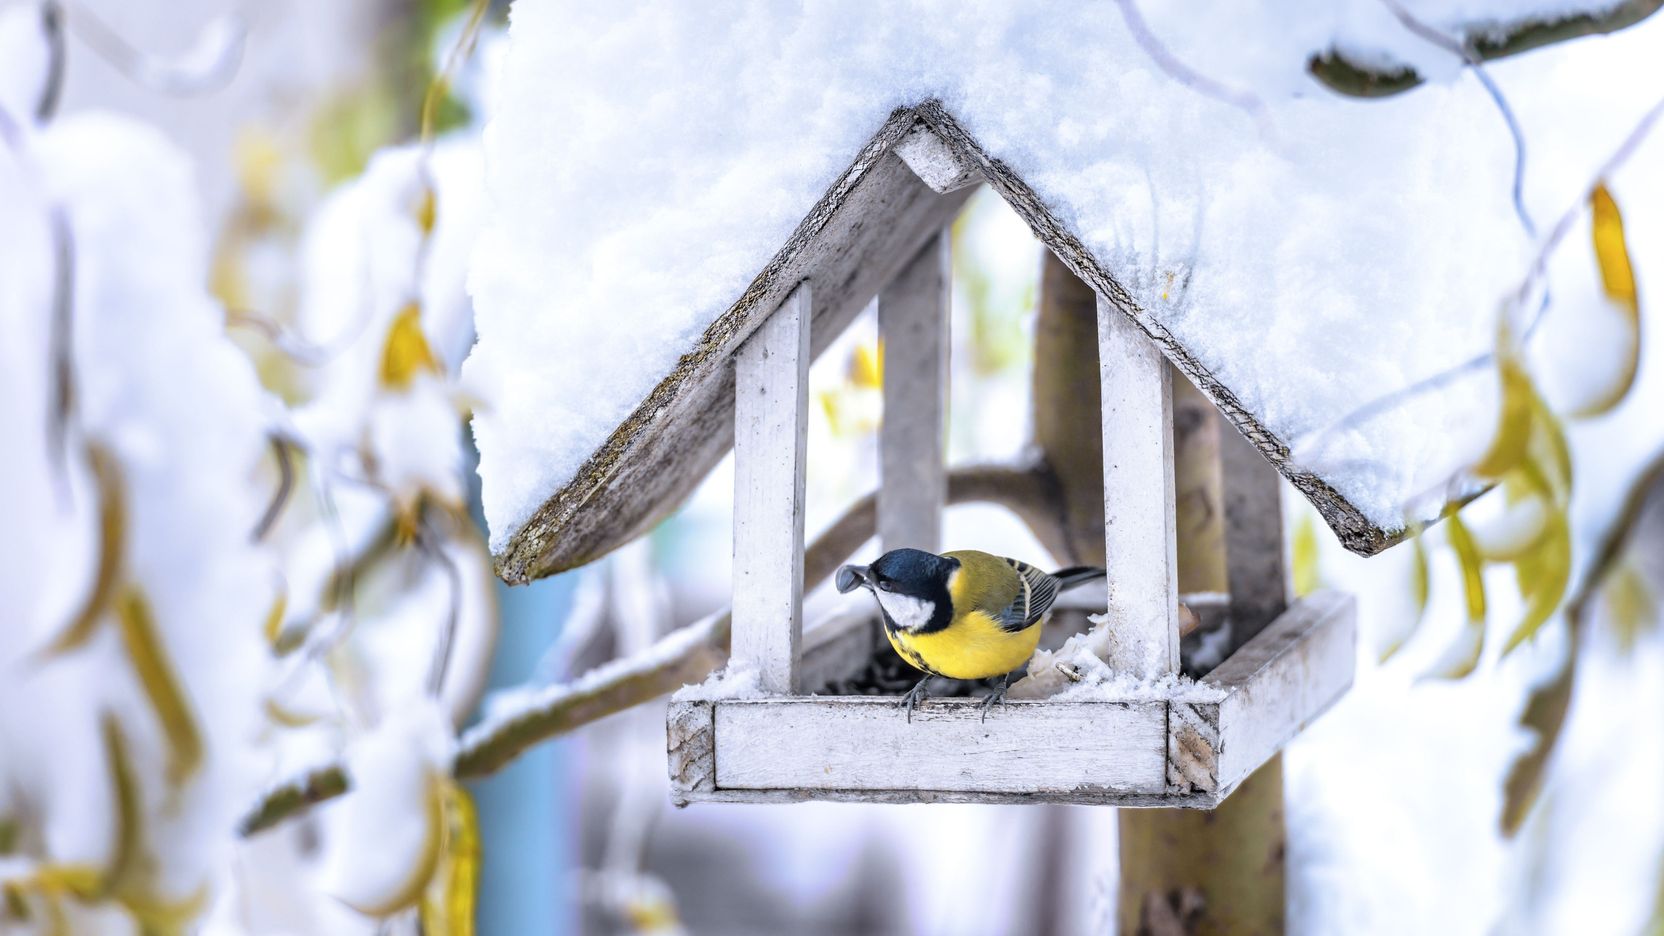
974, 646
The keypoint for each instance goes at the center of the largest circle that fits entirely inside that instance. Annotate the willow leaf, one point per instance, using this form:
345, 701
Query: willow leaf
406, 353
1419, 589
1307, 576
112, 536
1544, 572
1630, 603
129, 820
1618, 279
161, 686
449, 907
1545, 714
1464, 653
1513, 430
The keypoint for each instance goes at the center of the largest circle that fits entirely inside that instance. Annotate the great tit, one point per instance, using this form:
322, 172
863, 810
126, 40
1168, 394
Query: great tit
963, 614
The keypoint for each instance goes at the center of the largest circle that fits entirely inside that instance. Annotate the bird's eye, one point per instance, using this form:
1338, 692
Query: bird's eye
884, 584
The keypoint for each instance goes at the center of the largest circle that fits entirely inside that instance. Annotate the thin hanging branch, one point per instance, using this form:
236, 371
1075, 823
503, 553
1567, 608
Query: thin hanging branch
1187, 76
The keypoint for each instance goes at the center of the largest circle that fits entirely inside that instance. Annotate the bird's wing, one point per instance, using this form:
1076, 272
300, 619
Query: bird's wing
1039, 590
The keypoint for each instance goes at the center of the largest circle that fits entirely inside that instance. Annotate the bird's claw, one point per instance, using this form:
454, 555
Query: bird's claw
914, 696
997, 697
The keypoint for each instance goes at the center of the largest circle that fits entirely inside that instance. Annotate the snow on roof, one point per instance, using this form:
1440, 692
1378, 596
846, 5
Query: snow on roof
1307, 252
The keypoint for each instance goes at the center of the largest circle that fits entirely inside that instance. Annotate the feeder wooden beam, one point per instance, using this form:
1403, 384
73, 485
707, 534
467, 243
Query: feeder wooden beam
771, 418
913, 328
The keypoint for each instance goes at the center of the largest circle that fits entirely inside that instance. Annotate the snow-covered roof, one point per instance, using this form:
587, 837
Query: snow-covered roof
1296, 254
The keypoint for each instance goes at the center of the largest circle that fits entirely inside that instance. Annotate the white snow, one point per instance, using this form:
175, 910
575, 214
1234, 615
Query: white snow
178, 406
645, 164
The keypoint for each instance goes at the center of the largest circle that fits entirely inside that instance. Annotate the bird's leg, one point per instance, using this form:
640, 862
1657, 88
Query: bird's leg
997, 696
914, 696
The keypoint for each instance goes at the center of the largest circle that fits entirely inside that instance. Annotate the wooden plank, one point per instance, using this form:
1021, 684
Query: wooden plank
1281, 680
690, 746
1138, 500
850, 744
912, 442
1083, 797
1254, 561
872, 220
1356, 531
771, 423
934, 162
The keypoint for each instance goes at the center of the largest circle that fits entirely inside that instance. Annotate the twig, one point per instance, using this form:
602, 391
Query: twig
285, 485
207, 67
428, 541
1463, 51
52, 26
1190, 77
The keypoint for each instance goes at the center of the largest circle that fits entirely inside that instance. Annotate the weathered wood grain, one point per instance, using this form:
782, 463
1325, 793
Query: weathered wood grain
1139, 539
690, 744
912, 441
934, 161
848, 743
771, 426
1283, 679
872, 220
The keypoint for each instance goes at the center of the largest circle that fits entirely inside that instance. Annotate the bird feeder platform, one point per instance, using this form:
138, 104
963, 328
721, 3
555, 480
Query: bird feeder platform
1189, 749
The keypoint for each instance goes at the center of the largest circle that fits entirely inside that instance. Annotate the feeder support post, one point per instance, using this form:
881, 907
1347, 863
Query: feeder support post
913, 330
771, 403
1139, 537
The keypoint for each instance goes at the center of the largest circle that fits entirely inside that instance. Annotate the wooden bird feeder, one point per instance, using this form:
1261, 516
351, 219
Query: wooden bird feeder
880, 231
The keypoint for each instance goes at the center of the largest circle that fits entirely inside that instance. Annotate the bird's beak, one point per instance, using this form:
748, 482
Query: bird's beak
851, 577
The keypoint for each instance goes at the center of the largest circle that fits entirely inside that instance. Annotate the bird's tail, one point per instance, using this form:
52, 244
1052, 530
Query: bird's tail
1077, 575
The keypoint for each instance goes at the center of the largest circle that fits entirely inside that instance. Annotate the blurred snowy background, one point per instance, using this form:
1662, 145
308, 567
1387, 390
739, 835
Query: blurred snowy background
258, 515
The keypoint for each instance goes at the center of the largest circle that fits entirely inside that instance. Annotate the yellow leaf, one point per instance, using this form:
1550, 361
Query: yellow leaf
1544, 571
161, 686
449, 907
1419, 589
1308, 577
1513, 430
274, 617
112, 535
129, 820
1464, 654
406, 353
1545, 715
866, 365
1618, 279
1630, 604
427, 210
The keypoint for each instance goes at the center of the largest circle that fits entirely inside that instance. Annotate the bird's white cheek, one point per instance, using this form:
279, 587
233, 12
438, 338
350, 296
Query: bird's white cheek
908, 612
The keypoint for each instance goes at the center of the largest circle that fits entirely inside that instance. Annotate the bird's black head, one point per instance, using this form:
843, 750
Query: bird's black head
911, 586
911, 572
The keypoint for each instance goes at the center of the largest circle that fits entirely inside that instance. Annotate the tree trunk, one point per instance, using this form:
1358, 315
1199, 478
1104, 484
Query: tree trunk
1182, 871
